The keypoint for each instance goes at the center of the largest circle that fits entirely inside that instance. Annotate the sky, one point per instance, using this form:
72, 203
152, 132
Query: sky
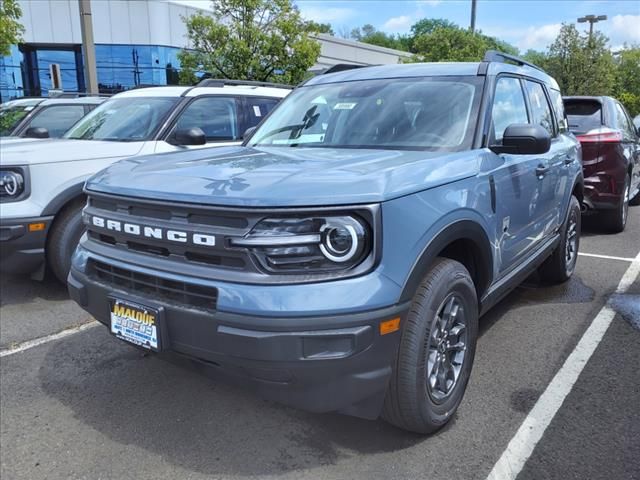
523, 23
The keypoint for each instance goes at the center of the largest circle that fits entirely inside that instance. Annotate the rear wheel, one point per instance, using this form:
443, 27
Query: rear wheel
436, 351
616, 220
63, 238
560, 265
635, 201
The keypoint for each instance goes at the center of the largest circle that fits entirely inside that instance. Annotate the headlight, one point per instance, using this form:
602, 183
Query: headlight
309, 245
13, 184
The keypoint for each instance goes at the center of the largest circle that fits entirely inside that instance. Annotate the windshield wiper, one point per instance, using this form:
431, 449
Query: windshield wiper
309, 120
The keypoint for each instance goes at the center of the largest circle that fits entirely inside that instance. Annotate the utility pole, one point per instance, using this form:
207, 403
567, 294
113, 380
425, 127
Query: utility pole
88, 48
591, 19
473, 16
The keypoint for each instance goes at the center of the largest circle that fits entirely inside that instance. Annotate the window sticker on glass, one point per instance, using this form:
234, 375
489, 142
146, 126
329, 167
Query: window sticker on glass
256, 111
29, 108
344, 106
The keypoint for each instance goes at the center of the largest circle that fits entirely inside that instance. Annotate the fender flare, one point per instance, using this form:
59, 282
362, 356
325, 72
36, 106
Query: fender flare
64, 197
460, 230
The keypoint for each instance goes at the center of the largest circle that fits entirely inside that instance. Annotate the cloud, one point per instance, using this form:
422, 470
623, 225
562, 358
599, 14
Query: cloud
622, 29
325, 15
537, 38
402, 23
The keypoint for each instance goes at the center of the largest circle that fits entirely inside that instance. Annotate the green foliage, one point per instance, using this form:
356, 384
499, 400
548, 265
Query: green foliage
10, 28
627, 78
369, 34
263, 40
316, 27
580, 66
443, 41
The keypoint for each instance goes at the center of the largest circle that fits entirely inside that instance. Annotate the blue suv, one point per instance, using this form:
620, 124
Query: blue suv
340, 259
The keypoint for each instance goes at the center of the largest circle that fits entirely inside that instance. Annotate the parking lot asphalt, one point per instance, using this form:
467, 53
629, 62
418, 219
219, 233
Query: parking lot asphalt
89, 406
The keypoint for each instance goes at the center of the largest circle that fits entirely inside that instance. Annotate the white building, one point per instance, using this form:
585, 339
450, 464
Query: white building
137, 42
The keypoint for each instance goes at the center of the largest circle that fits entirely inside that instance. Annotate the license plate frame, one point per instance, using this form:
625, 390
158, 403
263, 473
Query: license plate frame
136, 323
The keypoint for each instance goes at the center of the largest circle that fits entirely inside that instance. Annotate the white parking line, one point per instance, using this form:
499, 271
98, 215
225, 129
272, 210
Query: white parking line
530, 432
21, 347
606, 257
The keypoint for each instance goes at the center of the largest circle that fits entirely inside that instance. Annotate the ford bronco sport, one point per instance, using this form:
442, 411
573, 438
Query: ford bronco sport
339, 260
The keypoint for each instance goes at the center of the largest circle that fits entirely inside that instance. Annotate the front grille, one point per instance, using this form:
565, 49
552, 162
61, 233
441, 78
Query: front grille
156, 288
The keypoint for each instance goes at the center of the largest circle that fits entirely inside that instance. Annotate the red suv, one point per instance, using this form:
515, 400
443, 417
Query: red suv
610, 156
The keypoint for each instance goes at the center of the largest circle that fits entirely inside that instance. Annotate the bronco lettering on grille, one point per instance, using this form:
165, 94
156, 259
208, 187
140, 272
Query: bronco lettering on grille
157, 233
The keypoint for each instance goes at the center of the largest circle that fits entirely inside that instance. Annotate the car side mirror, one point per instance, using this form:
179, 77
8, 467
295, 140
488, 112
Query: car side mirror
189, 136
524, 139
248, 132
37, 132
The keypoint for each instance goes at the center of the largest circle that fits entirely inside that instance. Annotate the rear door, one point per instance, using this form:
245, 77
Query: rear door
517, 189
630, 145
552, 174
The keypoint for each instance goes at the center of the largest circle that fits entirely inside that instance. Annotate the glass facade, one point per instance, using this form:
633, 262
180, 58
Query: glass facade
25, 72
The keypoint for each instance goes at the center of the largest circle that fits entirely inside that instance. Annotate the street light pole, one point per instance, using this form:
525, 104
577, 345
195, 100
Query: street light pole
473, 16
88, 48
591, 19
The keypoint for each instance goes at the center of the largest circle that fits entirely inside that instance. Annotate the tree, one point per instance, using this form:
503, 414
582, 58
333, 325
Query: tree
580, 66
369, 34
263, 40
443, 41
10, 29
627, 78
316, 27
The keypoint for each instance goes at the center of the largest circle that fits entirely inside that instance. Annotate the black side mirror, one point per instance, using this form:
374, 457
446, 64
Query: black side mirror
37, 132
248, 132
189, 136
524, 139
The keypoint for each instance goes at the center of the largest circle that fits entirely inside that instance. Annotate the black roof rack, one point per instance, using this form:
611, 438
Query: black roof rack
496, 56
341, 67
221, 82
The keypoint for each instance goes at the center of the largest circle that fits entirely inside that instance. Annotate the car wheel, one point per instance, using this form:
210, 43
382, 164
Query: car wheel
617, 219
561, 264
436, 351
63, 238
635, 201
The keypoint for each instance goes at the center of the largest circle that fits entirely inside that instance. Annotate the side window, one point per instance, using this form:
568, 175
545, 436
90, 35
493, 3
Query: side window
558, 108
508, 106
258, 108
216, 116
623, 123
540, 110
57, 119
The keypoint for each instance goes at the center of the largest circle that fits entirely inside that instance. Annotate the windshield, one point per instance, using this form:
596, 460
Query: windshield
123, 119
11, 116
410, 113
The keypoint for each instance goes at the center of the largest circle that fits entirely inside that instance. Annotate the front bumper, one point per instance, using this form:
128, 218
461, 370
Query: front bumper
315, 363
21, 250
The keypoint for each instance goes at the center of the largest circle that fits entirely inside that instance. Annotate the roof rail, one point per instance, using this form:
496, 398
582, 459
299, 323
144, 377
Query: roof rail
221, 82
341, 67
496, 56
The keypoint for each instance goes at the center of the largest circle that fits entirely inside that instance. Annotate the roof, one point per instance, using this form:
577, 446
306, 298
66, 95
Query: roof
436, 69
177, 91
23, 102
78, 100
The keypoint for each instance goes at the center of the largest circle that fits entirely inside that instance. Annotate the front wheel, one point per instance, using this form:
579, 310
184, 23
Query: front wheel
64, 237
561, 264
436, 352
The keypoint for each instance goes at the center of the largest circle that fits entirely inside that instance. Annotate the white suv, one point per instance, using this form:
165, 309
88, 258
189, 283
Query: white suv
41, 183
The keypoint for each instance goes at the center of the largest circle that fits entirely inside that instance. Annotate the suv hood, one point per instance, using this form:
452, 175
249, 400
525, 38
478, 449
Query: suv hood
63, 150
282, 176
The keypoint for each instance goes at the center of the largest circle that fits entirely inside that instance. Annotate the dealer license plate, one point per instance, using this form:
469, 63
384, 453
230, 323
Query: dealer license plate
135, 323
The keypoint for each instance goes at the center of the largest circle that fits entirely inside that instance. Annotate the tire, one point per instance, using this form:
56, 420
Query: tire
635, 201
412, 402
559, 267
63, 238
616, 220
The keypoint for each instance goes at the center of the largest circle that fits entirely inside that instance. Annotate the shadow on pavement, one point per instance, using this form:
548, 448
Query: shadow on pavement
142, 401
19, 289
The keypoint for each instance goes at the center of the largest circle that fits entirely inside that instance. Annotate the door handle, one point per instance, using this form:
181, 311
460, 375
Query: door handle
568, 160
541, 170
